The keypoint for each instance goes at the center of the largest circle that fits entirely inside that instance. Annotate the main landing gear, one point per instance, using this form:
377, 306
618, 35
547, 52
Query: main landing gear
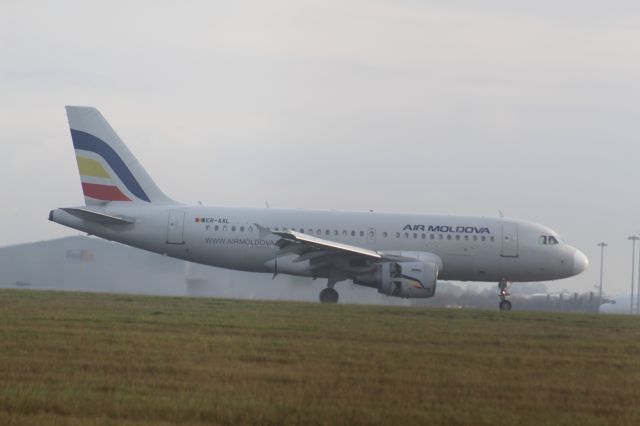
329, 294
505, 305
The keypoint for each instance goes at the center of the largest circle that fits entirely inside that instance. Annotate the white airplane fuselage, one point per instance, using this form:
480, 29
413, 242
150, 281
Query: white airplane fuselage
470, 248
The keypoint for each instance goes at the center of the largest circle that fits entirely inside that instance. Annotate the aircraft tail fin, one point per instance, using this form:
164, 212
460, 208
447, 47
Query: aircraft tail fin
108, 170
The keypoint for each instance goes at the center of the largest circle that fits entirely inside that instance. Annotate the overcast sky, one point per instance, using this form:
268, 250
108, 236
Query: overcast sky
407, 106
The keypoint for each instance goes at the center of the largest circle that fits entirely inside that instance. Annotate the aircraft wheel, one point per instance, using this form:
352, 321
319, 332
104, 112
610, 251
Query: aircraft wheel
328, 295
505, 305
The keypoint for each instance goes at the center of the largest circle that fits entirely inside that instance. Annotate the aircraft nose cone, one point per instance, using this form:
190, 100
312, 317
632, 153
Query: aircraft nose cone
580, 262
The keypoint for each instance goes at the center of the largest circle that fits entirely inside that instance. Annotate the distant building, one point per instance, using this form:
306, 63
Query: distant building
92, 264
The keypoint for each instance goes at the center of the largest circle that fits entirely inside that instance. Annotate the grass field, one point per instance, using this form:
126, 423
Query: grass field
80, 358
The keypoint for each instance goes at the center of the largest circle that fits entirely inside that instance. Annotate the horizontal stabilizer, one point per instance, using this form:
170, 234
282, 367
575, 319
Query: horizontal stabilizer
97, 217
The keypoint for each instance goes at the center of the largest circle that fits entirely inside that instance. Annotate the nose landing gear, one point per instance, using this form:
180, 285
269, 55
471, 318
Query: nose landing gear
505, 304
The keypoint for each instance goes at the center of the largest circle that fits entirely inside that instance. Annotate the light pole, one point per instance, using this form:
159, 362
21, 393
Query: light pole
633, 240
602, 245
637, 293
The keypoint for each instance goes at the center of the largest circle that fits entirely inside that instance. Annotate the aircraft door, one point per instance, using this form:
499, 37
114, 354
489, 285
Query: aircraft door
509, 240
371, 236
175, 227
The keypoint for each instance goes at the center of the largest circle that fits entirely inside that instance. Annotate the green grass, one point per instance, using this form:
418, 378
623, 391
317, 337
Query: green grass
80, 358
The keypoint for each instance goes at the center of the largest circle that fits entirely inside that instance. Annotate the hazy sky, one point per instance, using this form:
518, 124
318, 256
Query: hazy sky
414, 106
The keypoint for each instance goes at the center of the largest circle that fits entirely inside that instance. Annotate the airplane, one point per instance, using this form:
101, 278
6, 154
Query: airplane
400, 255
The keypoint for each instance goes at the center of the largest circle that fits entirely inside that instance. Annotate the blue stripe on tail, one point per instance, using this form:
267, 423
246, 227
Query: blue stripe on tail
88, 142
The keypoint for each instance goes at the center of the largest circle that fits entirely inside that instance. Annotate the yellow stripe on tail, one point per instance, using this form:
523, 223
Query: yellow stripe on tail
89, 167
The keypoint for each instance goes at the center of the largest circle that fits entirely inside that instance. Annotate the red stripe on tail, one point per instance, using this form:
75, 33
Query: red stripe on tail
103, 192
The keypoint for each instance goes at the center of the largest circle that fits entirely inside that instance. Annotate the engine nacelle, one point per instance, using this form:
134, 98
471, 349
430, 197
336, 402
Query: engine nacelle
402, 279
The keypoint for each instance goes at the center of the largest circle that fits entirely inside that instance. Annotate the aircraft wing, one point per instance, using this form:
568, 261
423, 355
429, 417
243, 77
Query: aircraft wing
310, 247
320, 243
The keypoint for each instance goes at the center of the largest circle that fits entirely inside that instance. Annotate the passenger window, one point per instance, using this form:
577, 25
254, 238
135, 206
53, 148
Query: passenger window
318, 231
371, 235
406, 235
310, 231
440, 236
448, 236
362, 233
397, 235
457, 237
327, 232
384, 234
224, 228
301, 231
483, 238
475, 238
344, 233
353, 233
432, 236
251, 229
336, 232
233, 229
216, 228
242, 229
493, 239
424, 236
415, 235
466, 238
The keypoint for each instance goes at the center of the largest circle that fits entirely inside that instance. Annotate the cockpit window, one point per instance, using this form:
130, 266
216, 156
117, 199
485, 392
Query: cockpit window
548, 240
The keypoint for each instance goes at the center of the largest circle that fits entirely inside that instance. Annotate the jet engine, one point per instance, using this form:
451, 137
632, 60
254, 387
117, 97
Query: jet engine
402, 279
